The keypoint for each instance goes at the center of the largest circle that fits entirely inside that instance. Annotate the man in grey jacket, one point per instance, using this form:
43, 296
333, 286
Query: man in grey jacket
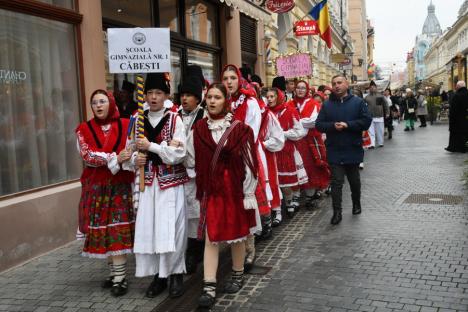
379, 110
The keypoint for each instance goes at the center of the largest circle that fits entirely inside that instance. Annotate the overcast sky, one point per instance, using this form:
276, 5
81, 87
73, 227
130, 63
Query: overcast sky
398, 22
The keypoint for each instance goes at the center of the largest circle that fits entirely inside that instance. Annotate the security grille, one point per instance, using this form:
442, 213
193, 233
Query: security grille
434, 199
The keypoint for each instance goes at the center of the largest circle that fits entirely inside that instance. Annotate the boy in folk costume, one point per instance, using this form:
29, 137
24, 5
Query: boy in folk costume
105, 210
160, 230
222, 151
311, 147
290, 167
191, 95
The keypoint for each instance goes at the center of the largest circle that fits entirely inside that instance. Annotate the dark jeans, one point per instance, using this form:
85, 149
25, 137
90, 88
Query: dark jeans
338, 173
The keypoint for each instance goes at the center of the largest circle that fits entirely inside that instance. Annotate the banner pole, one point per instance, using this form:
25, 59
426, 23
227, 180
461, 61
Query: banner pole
140, 125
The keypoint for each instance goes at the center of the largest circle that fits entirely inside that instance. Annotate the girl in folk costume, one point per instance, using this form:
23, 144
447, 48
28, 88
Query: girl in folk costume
222, 151
160, 229
191, 112
288, 159
245, 108
105, 210
311, 147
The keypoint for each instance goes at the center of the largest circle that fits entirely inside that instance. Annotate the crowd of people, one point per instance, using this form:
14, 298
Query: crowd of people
225, 165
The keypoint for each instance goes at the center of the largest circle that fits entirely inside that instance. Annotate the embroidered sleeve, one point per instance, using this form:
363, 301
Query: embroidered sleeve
297, 132
90, 157
275, 137
253, 117
309, 122
171, 155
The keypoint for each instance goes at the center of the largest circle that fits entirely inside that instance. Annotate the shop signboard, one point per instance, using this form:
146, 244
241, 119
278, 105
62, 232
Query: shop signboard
139, 50
280, 6
295, 65
306, 28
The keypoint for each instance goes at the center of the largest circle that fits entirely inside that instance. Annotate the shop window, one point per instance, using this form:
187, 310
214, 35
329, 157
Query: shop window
67, 4
127, 12
168, 10
40, 103
200, 21
207, 61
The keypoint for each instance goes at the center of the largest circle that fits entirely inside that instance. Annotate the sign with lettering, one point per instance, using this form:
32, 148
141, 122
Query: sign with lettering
280, 6
306, 28
139, 50
12, 76
293, 66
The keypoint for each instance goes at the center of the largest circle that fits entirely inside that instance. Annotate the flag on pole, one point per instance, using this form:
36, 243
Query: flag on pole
320, 13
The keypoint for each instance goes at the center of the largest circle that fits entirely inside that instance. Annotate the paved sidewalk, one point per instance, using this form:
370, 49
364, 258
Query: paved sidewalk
396, 256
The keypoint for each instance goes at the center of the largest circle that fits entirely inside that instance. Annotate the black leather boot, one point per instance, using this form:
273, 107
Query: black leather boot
310, 203
176, 285
356, 208
336, 219
157, 286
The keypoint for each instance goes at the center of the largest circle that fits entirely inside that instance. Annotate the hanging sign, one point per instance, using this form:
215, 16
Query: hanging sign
280, 6
305, 28
139, 50
292, 66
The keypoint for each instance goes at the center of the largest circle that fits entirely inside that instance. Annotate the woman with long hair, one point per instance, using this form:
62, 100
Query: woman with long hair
222, 151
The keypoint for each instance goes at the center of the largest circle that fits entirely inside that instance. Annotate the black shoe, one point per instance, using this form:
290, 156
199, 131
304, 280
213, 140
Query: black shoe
157, 286
356, 208
406, 129
267, 233
176, 285
290, 211
412, 128
310, 203
119, 288
234, 284
108, 282
336, 219
207, 300
317, 195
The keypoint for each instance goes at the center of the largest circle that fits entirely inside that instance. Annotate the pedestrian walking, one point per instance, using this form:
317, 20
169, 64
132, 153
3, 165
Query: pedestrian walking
161, 223
458, 119
343, 118
388, 119
222, 151
311, 147
191, 112
409, 106
421, 111
106, 211
378, 108
289, 162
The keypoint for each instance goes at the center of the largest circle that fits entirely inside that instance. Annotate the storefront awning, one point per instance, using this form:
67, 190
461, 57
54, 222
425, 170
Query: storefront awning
249, 8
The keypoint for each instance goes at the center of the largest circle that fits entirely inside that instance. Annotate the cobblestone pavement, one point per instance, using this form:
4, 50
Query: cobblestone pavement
396, 256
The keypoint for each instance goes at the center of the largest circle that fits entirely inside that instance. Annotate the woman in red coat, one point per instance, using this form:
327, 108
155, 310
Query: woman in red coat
222, 150
105, 211
311, 148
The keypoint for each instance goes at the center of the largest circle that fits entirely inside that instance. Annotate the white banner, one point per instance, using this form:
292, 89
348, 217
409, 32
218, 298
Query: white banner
139, 50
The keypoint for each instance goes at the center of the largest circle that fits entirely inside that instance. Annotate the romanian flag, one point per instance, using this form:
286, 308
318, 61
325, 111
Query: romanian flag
320, 14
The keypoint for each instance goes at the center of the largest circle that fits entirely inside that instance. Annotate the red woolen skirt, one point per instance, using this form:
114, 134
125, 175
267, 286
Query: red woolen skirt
273, 179
287, 167
226, 218
107, 219
313, 155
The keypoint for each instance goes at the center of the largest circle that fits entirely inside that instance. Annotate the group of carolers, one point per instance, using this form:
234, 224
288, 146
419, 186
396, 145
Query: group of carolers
215, 170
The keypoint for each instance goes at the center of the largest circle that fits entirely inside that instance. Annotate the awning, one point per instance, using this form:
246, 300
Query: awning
250, 9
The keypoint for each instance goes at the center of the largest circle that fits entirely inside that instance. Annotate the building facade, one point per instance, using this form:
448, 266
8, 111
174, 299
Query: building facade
358, 33
430, 32
446, 60
282, 41
54, 56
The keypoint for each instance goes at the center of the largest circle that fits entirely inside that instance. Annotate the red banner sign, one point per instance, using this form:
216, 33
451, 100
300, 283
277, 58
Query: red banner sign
306, 28
280, 6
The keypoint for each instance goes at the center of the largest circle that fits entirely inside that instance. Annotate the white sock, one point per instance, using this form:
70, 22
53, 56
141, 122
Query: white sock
120, 270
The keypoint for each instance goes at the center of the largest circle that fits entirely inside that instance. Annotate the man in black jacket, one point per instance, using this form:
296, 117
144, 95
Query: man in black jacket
458, 119
343, 118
